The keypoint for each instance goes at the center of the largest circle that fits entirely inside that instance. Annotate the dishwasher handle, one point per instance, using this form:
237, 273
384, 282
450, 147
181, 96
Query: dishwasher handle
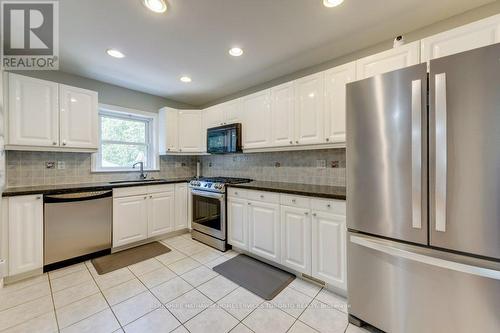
79, 196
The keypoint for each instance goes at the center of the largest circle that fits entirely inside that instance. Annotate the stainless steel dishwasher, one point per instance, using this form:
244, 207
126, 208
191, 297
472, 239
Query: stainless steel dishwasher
77, 226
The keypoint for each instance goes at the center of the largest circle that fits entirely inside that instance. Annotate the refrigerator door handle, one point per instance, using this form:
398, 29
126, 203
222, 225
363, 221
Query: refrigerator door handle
416, 153
385, 247
441, 152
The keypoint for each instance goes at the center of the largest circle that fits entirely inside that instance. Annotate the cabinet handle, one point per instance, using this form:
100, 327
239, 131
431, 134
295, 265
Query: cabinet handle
39, 197
294, 201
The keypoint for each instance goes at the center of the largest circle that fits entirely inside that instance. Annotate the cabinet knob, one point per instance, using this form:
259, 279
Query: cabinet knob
249, 203
261, 196
145, 198
297, 141
314, 214
291, 142
235, 193
306, 213
168, 149
294, 201
64, 143
54, 143
329, 206
39, 197
150, 197
327, 139
180, 149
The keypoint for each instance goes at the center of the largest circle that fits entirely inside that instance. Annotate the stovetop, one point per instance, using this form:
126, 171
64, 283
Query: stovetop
215, 184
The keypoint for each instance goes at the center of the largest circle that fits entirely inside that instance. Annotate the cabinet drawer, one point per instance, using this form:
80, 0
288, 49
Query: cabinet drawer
268, 197
237, 192
330, 206
161, 188
129, 191
295, 201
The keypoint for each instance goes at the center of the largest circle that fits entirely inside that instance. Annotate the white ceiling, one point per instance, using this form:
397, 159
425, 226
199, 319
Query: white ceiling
279, 37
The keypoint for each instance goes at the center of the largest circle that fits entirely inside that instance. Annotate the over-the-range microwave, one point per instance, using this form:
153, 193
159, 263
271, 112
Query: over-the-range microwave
224, 139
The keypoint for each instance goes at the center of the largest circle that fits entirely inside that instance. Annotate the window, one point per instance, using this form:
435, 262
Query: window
125, 137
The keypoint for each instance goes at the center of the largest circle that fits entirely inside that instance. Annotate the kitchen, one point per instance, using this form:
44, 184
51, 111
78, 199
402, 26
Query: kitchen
337, 183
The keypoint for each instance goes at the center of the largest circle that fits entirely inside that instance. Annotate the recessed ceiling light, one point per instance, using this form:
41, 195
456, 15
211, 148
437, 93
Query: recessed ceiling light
115, 53
157, 6
332, 3
185, 79
235, 51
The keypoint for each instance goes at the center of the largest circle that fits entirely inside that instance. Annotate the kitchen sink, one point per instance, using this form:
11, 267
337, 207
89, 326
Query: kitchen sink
137, 181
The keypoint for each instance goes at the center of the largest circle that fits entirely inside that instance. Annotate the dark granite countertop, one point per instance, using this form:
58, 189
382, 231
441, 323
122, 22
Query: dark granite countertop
321, 191
71, 188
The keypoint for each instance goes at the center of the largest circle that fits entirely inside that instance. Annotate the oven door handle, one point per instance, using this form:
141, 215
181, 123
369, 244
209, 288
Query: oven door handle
207, 194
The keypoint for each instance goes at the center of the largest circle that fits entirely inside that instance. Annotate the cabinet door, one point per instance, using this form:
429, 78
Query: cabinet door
25, 233
232, 111
33, 112
328, 248
474, 35
282, 111
130, 219
296, 239
309, 114
257, 120
191, 131
213, 117
336, 80
170, 129
181, 206
388, 61
78, 117
237, 232
264, 230
161, 215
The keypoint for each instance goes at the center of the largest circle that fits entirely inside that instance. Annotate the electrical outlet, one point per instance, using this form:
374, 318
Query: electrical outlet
61, 165
320, 164
335, 164
277, 164
50, 165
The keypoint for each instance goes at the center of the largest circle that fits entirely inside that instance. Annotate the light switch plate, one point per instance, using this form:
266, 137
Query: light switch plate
61, 165
320, 164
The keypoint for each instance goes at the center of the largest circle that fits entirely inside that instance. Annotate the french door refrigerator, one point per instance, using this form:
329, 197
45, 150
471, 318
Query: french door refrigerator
423, 196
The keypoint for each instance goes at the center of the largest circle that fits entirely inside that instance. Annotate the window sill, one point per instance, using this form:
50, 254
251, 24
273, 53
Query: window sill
122, 170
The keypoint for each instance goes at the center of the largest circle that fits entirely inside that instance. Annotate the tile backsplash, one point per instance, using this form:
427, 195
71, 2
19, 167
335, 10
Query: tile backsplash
321, 167
26, 168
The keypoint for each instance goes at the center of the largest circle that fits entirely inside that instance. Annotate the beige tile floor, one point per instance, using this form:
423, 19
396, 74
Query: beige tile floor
174, 292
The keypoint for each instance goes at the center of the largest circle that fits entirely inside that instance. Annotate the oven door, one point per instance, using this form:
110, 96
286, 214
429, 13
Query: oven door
209, 213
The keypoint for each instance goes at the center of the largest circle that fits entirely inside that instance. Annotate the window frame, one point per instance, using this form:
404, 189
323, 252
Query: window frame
150, 118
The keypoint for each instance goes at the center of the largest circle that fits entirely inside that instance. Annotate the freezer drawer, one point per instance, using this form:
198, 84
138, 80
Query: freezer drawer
464, 154
401, 288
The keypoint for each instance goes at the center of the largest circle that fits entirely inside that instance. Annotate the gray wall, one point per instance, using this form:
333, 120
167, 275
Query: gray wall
450, 23
108, 93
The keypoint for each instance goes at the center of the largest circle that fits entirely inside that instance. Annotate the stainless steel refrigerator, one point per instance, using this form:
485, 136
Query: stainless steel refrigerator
423, 196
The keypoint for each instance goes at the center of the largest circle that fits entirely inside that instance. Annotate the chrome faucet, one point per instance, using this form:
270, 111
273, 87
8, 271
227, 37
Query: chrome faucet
143, 175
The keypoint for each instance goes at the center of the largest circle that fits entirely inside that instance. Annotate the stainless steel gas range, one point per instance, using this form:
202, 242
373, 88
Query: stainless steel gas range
208, 221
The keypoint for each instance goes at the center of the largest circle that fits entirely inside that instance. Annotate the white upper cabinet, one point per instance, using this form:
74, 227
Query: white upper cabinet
474, 35
283, 115
25, 233
190, 124
33, 112
309, 114
79, 117
257, 120
387, 61
181, 131
231, 111
213, 117
47, 114
336, 80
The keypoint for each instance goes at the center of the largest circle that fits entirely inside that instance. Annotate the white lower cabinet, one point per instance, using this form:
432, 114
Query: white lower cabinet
161, 213
237, 231
143, 212
25, 224
181, 206
264, 226
130, 222
329, 248
305, 234
296, 238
